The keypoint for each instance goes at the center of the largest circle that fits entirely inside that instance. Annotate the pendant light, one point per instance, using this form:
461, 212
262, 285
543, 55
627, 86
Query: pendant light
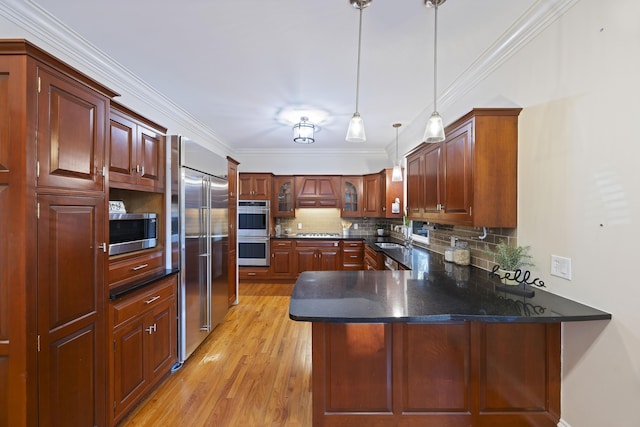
303, 131
355, 132
435, 129
396, 175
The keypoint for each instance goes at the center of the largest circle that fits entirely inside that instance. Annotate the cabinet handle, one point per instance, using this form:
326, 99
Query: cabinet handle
152, 299
384, 208
103, 246
137, 168
251, 274
151, 329
140, 267
353, 256
142, 171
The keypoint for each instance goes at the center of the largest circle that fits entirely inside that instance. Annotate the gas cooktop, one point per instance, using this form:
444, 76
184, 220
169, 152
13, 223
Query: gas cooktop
319, 235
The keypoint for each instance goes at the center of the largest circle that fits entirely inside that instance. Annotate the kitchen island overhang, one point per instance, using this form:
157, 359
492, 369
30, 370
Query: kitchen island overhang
423, 349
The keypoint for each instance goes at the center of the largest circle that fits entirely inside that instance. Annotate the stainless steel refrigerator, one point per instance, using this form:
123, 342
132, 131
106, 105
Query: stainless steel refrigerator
203, 236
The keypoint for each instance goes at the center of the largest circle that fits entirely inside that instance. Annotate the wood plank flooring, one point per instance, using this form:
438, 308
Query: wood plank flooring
253, 370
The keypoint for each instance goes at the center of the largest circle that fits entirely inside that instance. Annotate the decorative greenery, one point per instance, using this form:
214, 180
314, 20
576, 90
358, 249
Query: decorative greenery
511, 258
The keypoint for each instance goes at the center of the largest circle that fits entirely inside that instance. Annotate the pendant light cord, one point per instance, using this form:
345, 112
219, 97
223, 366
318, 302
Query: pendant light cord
360, 6
435, 56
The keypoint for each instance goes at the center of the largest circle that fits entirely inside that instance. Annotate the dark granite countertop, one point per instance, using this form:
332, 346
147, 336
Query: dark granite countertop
434, 291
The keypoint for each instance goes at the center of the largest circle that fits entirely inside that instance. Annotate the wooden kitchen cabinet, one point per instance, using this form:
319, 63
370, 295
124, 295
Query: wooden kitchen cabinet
471, 177
373, 191
283, 202
373, 260
380, 192
352, 200
254, 186
136, 151
127, 268
317, 255
352, 255
392, 191
53, 126
144, 343
282, 259
232, 173
71, 133
456, 374
315, 191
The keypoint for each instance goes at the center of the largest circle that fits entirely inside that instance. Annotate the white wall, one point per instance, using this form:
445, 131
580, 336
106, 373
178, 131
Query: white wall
579, 192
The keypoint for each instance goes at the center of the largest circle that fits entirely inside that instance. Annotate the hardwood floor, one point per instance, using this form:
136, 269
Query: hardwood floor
253, 370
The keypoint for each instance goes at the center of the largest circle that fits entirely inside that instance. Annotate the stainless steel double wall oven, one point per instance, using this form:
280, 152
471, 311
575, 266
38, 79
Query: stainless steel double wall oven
253, 232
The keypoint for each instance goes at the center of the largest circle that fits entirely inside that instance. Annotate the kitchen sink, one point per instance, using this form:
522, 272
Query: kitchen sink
389, 245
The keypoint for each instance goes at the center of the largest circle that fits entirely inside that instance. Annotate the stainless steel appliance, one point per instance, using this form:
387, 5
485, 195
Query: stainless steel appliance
253, 218
130, 232
203, 223
253, 251
253, 232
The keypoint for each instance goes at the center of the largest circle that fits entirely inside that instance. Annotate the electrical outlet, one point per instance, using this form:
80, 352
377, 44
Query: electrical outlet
561, 267
299, 226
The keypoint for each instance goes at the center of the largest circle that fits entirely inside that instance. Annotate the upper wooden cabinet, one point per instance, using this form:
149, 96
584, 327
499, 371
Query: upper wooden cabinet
71, 133
352, 200
373, 190
283, 202
315, 191
392, 191
380, 194
471, 177
137, 151
254, 186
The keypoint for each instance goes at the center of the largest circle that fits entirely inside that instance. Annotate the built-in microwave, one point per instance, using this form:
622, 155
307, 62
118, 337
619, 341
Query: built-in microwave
129, 232
253, 218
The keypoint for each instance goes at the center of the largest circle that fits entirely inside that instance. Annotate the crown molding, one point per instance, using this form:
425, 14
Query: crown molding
69, 46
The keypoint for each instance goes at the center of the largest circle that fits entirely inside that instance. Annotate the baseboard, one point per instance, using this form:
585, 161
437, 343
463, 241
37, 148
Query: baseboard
563, 423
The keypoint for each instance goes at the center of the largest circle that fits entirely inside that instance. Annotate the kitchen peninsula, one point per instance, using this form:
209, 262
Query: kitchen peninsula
438, 345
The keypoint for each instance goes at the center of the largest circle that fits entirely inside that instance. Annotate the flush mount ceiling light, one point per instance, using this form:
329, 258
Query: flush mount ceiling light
435, 129
396, 175
303, 132
355, 133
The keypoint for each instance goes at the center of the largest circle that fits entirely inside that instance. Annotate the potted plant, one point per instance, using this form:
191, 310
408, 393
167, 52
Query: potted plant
380, 229
509, 259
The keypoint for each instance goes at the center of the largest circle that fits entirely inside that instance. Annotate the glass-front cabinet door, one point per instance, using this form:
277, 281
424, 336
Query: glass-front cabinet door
283, 201
351, 196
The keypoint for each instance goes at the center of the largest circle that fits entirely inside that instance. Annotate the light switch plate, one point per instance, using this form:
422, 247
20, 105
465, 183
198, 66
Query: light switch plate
561, 267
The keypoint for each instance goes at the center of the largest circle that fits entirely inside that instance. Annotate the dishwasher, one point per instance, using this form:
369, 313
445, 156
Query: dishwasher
390, 263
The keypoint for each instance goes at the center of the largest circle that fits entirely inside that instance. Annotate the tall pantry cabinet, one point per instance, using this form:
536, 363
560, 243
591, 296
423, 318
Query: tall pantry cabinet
53, 126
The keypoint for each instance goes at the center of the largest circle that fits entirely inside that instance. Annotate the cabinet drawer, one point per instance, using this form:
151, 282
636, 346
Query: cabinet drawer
253, 273
312, 243
143, 300
281, 243
123, 271
352, 244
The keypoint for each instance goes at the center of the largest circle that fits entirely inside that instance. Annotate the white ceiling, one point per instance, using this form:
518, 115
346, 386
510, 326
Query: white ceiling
234, 64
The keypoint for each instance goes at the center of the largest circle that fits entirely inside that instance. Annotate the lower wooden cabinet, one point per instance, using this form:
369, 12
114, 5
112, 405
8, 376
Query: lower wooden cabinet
352, 255
318, 255
282, 260
134, 266
373, 260
455, 374
144, 343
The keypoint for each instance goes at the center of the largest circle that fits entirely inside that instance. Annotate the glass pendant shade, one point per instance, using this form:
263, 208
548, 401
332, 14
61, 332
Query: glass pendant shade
303, 132
435, 129
355, 133
396, 175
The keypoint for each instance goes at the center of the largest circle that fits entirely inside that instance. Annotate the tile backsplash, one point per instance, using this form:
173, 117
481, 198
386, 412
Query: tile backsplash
328, 220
